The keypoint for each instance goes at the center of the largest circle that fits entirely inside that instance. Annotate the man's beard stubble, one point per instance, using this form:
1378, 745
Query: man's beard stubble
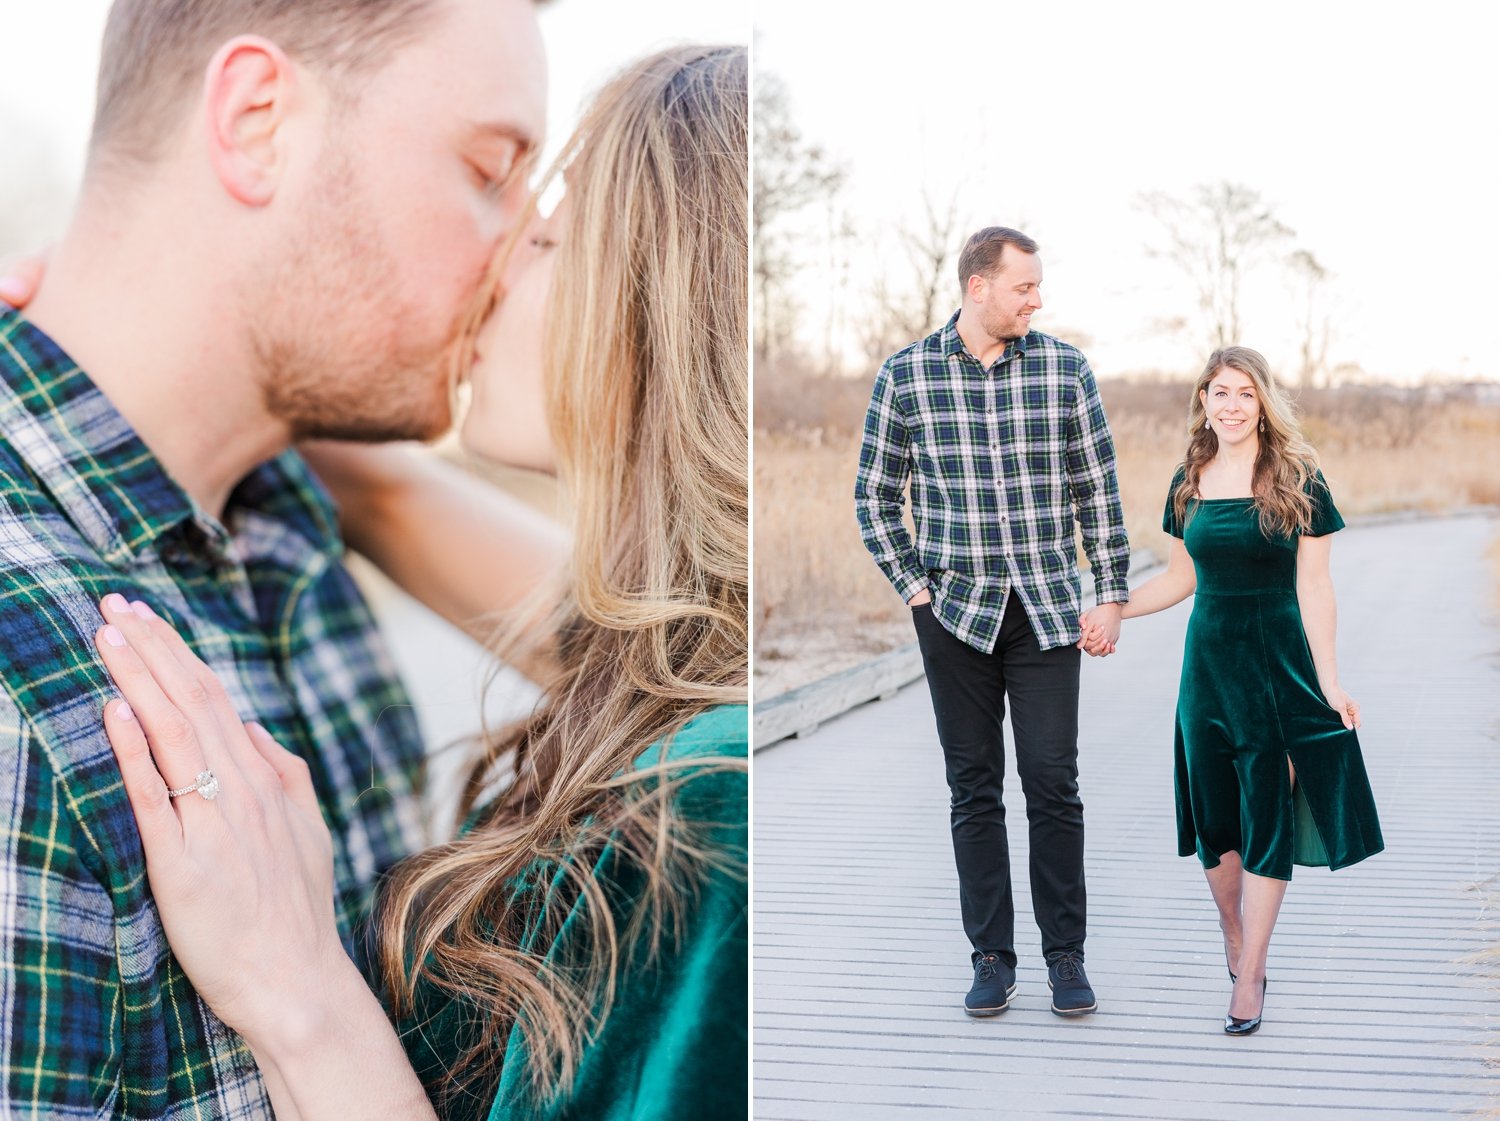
1004, 330
328, 345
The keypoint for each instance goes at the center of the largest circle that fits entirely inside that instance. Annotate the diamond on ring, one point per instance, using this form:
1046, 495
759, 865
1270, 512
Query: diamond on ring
206, 787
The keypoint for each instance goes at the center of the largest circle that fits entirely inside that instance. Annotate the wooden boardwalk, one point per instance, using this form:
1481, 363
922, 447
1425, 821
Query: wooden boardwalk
1375, 1011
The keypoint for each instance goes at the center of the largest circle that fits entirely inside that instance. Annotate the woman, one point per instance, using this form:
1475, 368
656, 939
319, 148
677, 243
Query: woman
1268, 766
580, 948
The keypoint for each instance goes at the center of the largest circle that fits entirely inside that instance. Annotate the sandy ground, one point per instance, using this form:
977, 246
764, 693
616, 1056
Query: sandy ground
789, 659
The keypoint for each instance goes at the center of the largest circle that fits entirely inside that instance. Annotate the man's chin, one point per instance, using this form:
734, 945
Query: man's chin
374, 429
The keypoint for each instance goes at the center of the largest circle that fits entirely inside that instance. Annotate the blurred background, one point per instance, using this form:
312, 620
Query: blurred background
48, 57
1307, 180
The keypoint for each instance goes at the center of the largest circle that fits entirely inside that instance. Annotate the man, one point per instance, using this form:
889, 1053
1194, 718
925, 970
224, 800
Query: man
1000, 430
288, 212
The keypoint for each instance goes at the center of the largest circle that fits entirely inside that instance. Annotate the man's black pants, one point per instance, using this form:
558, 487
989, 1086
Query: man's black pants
969, 689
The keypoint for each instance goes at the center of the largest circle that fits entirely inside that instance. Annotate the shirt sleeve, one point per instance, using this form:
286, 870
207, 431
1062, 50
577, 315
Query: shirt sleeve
1325, 515
884, 467
60, 1038
1169, 519
1096, 492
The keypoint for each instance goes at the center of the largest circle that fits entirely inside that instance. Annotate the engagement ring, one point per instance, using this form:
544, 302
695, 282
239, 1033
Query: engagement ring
207, 786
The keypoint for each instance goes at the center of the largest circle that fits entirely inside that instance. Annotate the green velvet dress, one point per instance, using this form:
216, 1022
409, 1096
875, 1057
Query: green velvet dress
675, 1044
1249, 699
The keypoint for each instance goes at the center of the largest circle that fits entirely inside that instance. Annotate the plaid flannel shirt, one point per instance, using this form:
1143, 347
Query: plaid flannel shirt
96, 1017
999, 461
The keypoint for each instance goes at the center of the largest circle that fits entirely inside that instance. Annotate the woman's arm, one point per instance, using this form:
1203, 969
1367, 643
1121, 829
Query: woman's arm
338, 1057
1165, 589
468, 551
243, 881
1320, 622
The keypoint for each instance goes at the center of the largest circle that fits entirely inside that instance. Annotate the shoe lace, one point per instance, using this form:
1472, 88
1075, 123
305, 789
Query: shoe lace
986, 967
1068, 967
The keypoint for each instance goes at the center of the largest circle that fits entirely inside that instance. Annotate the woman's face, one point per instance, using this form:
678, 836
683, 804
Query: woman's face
1232, 405
507, 418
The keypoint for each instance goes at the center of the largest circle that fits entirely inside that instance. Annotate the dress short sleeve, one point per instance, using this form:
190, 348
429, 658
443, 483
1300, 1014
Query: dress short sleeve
1169, 519
1325, 516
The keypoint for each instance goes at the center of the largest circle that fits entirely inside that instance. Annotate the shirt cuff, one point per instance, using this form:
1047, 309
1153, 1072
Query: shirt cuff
909, 581
1111, 589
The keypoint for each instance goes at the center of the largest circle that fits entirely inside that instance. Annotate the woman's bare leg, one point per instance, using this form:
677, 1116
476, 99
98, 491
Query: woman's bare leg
1225, 882
1261, 903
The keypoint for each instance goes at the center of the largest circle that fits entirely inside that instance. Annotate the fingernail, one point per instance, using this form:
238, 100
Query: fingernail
116, 602
122, 710
114, 636
142, 610
12, 290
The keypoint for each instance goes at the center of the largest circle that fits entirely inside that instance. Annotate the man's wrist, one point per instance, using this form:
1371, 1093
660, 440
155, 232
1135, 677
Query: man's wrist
911, 583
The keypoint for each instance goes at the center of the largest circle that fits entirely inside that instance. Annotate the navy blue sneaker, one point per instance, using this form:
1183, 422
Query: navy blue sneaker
1071, 993
994, 984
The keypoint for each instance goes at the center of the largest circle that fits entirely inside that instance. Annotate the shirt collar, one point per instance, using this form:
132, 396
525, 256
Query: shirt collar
104, 478
953, 344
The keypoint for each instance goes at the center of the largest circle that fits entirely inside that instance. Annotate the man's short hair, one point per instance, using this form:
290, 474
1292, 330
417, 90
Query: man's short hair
981, 255
155, 52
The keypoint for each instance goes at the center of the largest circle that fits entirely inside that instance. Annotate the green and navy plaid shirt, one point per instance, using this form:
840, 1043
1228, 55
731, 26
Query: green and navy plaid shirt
1000, 459
96, 1018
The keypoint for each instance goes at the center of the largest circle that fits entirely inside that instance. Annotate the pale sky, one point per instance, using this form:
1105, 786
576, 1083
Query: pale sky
1367, 126
49, 53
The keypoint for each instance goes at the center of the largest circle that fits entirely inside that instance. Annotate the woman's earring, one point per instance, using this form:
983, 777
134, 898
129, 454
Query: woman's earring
1206, 426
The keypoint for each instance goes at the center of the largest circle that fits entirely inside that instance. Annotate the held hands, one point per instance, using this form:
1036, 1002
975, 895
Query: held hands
1100, 625
1343, 704
243, 882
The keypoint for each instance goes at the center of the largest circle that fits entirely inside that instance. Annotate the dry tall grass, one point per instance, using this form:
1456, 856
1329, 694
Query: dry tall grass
821, 604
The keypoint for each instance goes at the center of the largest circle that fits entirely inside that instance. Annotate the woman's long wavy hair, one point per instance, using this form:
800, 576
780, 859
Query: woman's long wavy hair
1284, 462
647, 374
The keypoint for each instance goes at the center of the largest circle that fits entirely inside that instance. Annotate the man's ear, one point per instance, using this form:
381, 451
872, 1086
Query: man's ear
247, 94
975, 288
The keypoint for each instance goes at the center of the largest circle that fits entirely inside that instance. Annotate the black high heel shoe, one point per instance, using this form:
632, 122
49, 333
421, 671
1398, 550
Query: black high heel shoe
1233, 1025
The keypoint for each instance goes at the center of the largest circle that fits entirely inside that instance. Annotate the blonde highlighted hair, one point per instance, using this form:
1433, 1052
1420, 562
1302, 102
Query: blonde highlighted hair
647, 374
1284, 463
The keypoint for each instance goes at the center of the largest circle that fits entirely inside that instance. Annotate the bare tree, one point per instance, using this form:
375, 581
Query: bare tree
1217, 236
790, 175
909, 305
1313, 320
841, 238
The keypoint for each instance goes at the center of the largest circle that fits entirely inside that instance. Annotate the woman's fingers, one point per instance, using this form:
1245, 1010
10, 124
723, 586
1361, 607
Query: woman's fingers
20, 276
187, 682
293, 772
1346, 706
160, 827
1088, 638
173, 741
